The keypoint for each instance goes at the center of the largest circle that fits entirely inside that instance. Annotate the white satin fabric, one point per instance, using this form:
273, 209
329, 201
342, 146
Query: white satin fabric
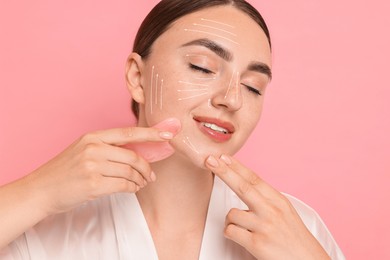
114, 227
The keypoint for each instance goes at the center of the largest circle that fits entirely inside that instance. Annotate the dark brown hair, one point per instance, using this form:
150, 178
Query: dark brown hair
166, 12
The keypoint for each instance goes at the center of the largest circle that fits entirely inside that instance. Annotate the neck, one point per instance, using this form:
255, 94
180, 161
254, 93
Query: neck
180, 196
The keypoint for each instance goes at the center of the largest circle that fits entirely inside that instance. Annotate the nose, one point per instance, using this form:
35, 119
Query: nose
229, 97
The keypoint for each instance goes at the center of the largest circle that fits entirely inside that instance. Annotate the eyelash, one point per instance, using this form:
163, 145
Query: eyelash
206, 71
253, 90
197, 68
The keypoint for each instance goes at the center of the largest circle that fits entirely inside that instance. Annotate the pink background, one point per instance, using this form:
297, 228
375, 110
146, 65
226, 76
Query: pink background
324, 135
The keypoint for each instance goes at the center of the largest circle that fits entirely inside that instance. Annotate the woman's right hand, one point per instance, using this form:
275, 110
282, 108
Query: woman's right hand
93, 166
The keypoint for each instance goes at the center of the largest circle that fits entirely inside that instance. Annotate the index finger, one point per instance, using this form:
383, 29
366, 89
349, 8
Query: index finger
125, 135
244, 189
251, 177
163, 131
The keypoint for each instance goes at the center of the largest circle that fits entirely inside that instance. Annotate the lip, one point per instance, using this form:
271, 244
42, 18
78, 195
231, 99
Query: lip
215, 135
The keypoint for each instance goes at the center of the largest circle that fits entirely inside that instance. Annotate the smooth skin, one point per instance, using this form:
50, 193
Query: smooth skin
175, 204
93, 166
271, 228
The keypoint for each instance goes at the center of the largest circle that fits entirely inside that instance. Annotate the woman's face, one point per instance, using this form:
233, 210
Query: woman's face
210, 70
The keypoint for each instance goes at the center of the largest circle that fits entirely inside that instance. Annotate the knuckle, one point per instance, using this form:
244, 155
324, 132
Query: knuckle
133, 157
89, 150
129, 172
133, 175
94, 183
254, 180
233, 213
128, 131
129, 187
274, 212
89, 166
88, 137
284, 204
135, 160
141, 164
229, 230
123, 186
257, 241
245, 188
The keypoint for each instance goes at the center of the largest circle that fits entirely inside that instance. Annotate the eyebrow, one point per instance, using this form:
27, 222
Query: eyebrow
213, 46
228, 56
261, 68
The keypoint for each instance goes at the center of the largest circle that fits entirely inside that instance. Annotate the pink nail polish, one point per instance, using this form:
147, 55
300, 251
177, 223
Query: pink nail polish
166, 135
212, 161
226, 159
157, 151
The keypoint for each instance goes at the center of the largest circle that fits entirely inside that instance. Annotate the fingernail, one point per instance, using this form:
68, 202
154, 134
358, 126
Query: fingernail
153, 177
226, 159
212, 161
166, 135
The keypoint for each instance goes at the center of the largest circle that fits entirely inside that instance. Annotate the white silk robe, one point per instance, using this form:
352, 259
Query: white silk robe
114, 227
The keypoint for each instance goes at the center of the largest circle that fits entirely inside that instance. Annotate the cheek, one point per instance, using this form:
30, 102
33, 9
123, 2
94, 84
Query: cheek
170, 94
154, 92
251, 114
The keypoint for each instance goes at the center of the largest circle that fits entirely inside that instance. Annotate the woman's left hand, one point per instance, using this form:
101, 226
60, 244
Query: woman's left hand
271, 228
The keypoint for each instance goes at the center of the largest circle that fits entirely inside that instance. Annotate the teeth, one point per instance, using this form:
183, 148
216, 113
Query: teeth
216, 128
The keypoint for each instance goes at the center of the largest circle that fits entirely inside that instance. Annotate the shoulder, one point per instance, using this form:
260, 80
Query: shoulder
316, 226
60, 236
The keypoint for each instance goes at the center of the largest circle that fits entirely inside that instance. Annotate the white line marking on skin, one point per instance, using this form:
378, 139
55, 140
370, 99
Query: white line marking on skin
161, 94
199, 31
207, 20
151, 92
230, 86
195, 96
156, 93
215, 28
195, 84
209, 103
190, 90
238, 88
190, 145
206, 78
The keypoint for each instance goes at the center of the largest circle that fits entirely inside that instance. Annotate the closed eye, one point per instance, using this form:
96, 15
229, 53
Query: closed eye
253, 90
197, 68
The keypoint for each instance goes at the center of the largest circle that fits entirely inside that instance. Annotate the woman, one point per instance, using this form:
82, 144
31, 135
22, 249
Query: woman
198, 74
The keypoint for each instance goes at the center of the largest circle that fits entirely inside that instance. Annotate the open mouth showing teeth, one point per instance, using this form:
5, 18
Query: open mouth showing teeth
216, 128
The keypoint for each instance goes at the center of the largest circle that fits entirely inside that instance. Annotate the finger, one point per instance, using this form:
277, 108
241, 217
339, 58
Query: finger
122, 136
130, 158
248, 175
238, 234
118, 170
109, 185
244, 190
243, 218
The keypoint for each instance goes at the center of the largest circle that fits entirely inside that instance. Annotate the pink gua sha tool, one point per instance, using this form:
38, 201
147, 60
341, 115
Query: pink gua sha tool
157, 151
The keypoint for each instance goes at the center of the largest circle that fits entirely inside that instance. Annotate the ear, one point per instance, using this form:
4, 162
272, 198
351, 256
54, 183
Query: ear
134, 69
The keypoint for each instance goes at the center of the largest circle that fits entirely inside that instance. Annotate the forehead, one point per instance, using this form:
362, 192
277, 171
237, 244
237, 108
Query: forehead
228, 26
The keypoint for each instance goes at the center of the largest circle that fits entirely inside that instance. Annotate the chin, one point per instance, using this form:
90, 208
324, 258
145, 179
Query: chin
194, 155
